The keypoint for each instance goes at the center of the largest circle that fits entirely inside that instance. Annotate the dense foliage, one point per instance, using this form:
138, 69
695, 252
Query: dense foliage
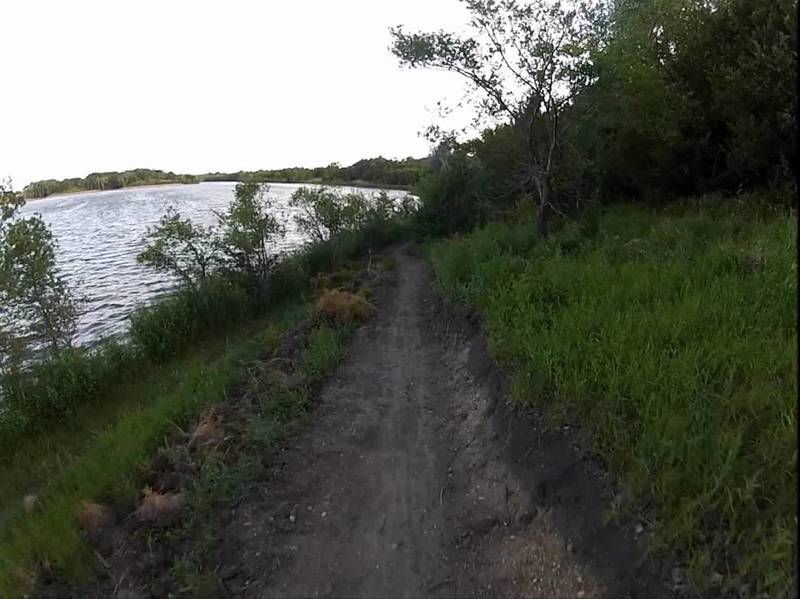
325, 212
658, 100
36, 306
694, 97
372, 171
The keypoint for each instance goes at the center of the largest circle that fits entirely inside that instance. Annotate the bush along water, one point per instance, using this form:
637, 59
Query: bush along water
227, 275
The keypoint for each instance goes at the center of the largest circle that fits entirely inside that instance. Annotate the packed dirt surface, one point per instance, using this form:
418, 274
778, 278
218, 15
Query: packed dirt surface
415, 477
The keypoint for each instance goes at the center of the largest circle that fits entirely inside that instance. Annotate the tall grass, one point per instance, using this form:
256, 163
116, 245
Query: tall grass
113, 465
50, 391
165, 328
218, 483
673, 337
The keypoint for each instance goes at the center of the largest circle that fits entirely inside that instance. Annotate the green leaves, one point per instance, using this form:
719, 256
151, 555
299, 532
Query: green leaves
36, 306
248, 230
241, 244
180, 248
698, 89
326, 212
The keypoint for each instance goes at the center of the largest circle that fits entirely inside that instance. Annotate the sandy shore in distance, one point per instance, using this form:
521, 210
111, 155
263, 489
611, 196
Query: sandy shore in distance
73, 193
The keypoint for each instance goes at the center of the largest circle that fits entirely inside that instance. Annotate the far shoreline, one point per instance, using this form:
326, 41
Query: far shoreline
363, 184
66, 194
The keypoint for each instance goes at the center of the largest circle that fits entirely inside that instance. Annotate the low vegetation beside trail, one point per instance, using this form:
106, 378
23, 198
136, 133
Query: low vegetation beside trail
672, 337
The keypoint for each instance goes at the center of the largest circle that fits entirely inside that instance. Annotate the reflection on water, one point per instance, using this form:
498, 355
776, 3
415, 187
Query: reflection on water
99, 235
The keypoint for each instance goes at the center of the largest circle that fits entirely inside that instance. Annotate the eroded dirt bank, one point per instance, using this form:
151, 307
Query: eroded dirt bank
414, 478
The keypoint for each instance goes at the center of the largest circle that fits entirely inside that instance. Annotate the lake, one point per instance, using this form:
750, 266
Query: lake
100, 233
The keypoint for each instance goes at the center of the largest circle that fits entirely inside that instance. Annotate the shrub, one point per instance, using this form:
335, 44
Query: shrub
181, 248
37, 308
240, 247
447, 200
289, 278
327, 212
343, 306
340, 279
248, 232
164, 328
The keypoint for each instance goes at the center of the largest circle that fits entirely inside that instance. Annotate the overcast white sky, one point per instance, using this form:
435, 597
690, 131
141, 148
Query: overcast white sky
196, 86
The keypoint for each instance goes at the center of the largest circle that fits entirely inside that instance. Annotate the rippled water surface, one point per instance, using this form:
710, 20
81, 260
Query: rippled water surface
100, 233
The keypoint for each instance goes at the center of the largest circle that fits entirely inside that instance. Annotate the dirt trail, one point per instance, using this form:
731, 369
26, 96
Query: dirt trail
413, 479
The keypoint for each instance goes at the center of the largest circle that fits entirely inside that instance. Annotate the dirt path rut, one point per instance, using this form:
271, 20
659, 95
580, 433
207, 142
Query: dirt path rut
410, 482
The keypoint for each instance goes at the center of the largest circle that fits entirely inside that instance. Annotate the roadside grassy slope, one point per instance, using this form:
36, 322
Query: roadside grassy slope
110, 464
218, 484
673, 338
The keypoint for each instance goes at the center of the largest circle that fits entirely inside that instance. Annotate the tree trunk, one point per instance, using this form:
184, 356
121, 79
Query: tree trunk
544, 202
541, 222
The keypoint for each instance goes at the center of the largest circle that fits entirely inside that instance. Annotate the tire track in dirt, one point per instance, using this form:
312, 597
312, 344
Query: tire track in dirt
410, 482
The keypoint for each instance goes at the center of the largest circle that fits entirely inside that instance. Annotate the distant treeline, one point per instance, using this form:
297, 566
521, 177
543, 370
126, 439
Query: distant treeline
374, 171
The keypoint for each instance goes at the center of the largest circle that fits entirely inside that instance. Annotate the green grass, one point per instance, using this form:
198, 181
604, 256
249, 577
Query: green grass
326, 347
673, 338
220, 483
42, 457
110, 465
100, 449
170, 325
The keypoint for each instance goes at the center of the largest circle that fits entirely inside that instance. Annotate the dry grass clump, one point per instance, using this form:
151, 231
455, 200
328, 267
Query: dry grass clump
95, 519
160, 509
342, 278
343, 306
208, 432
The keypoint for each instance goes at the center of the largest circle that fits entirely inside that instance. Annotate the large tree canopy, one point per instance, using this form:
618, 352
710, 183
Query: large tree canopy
526, 61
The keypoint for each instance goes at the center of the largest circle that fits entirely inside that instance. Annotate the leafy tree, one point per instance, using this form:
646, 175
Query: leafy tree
693, 97
241, 244
499, 157
178, 247
248, 231
526, 62
325, 212
36, 306
448, 189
